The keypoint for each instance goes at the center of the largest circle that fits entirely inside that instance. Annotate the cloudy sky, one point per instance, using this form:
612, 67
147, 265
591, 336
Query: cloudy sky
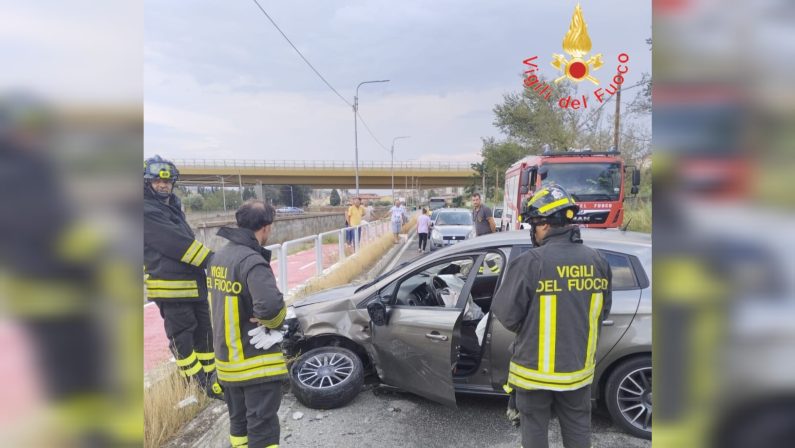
221, 82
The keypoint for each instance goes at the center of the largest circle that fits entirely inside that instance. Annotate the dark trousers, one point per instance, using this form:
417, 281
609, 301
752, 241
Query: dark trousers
350, 235
423, 240
69, 351
253, 412
573, 409
188, 329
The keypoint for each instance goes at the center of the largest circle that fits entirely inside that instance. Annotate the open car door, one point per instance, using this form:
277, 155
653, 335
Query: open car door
415, 351
417, 347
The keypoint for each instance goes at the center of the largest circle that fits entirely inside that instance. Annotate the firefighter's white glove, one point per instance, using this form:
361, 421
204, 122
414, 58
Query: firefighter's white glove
263, 339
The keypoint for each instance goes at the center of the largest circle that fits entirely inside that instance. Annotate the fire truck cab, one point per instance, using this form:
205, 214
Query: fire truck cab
594, 179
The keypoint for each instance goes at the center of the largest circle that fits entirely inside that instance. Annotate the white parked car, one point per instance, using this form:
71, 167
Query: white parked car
451, 225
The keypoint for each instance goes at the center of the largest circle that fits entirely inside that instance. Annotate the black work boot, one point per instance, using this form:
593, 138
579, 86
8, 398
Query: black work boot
209, 384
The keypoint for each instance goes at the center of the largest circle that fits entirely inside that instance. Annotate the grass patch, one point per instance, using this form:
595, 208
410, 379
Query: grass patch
331, 239
162, 418
638, 215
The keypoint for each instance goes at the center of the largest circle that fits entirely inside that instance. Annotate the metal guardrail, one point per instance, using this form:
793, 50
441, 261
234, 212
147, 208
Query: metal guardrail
370, 231
321, 164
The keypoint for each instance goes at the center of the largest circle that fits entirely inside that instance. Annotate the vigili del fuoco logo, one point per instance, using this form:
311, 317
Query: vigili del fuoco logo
577, 44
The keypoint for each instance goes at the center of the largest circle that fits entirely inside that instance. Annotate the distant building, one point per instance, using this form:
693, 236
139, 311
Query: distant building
369, 197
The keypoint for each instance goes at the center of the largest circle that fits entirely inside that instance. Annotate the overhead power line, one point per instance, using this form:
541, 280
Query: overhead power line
301, 55
369, 131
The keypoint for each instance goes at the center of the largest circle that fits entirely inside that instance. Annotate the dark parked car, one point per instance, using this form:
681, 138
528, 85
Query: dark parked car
425, 327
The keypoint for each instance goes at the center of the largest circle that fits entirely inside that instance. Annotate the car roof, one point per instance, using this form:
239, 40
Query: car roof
634, 243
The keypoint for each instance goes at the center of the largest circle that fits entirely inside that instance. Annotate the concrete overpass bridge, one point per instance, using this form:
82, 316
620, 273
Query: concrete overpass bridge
324, 173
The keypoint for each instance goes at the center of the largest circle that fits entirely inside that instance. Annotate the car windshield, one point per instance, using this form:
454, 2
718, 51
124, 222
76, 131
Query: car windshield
584, 181
454, 219
382, 276
436, 203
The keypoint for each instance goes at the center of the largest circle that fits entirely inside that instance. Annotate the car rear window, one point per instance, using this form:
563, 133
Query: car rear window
623, 273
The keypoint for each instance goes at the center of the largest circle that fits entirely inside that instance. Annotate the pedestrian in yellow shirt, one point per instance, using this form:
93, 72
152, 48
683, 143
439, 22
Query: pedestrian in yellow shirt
354, 218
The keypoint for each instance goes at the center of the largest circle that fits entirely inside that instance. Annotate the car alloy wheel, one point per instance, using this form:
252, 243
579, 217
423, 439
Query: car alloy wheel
628, 396
326, 377
635, 398
325, 370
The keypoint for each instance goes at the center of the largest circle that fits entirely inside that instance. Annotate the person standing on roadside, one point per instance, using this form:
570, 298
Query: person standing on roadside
174, 263
397, 215
423, 228
482, 217
354, 218
246, 301
557, 316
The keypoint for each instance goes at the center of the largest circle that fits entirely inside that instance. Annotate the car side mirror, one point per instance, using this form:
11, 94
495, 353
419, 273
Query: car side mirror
377, 311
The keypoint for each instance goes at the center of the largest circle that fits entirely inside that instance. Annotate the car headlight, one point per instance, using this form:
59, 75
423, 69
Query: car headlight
436, 235
290, 320
471, 234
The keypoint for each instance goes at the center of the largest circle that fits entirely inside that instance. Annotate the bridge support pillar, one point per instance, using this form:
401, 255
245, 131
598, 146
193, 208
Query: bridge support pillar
258, 191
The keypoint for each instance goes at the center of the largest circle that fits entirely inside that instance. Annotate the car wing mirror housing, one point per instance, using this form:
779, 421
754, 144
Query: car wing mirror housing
378, 314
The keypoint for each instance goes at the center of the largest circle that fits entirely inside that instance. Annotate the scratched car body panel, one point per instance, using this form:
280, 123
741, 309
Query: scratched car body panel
440, 338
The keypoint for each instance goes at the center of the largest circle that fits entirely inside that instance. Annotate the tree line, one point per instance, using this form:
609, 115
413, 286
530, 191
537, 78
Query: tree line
213, 198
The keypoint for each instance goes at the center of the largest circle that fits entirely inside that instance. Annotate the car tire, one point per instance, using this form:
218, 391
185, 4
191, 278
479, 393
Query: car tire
326, 377
628, 396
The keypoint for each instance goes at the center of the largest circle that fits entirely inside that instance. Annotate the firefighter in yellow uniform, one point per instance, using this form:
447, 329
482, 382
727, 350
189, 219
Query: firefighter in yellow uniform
554, 297
174, 262
492, 262
245, 302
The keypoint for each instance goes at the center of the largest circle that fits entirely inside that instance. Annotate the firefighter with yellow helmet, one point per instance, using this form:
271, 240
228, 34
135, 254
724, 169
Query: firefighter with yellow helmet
174, 263
554, 297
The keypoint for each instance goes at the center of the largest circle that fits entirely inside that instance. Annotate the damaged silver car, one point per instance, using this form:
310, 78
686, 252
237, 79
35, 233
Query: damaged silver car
425, 327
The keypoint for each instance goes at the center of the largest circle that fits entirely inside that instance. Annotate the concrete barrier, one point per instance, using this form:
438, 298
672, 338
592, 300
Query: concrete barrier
285, 228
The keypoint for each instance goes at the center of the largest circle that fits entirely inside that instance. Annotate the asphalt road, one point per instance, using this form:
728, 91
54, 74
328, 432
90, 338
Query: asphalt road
383, 418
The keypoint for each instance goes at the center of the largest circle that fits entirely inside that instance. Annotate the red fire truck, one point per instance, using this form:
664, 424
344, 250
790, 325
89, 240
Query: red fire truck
594, 179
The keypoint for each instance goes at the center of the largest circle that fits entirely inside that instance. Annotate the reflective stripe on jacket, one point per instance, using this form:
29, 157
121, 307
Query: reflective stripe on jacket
554, 298
242, 286
174, 260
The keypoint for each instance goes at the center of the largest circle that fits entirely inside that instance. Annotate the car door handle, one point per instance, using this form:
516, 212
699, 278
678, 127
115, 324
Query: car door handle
436, 336
608, 323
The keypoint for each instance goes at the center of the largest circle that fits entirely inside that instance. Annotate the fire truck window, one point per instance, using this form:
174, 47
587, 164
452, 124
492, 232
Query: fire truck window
586, 181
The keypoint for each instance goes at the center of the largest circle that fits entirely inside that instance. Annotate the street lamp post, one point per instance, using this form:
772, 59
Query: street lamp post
356, 128
392, 164
291, 195
223, 192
